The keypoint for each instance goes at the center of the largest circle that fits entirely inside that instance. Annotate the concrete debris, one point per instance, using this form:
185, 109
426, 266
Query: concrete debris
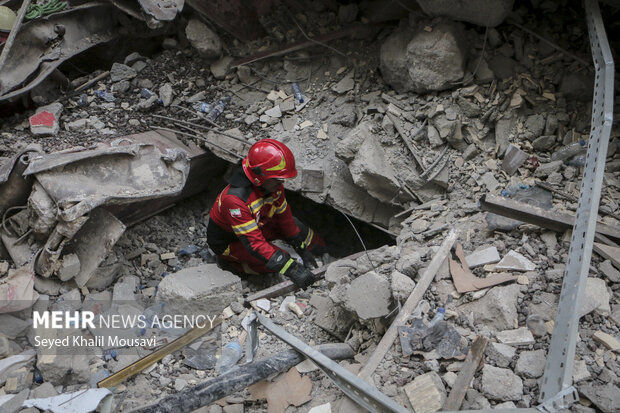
85, 401
517, 337
221, 67
331, 317
402, 286
369, 296
513, 159
580, 371
610, 272
531, 364
513, 261
346, 84
120, 72
596, 297
426, 393
422, 61
482, 257
501, 384
205, 289
46, 121
203, 39
290, 389
496, 310
500, 354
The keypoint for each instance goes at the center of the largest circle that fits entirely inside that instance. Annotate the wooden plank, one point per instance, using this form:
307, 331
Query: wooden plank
416, 295
608, 252
461, 384
135, 368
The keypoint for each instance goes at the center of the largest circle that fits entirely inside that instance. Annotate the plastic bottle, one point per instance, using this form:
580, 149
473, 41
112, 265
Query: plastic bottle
203, 107
83, 100
578, 161
145, 93
231, 353
568, 151
510, 191
438, 317
297, 92
218, 109
107, 96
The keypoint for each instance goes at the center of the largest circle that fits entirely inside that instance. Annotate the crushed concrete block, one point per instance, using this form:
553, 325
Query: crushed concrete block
13, 403
546, 169
166, 94
482, 257
339, 272
327, 407
607, 340
426, 393
596, 297
331, 317
449, 378
409, 264
489, 181
505, 405
205, 289
348, 147
69, 268
580, 371
274, 112
120, 72
497, 309
402, 286
433, 137
369, 296
203, 39
12, 327
346, 84
287, 106
500, 354
55, 368
531, 364
513, 261
517, 337
501, 384
513, 159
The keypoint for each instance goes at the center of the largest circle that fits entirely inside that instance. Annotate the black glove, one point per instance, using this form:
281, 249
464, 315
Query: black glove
282, 262
300, 275
308, 258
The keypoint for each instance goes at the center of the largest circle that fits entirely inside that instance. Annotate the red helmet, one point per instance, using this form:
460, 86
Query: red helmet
269, 158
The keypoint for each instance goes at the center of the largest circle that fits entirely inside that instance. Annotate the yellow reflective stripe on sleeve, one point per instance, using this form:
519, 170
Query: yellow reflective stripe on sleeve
308, 239
256, 205
245, 227
288, 264
282, 207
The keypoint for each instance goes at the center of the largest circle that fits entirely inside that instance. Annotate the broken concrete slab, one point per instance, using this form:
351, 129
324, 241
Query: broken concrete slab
402, 286
513, 261
166, 94
120, 72
220, 68
426, 393
501, 384
531, 364
482, 257
610, 272
345, 84
580, 371
205, 289
517, 337
369, 296
290, 389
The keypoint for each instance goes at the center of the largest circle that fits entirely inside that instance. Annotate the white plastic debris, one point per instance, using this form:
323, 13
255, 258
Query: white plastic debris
78, 402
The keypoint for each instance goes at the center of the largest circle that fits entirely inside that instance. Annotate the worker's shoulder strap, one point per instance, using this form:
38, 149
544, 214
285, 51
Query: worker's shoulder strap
242, 192
240, 185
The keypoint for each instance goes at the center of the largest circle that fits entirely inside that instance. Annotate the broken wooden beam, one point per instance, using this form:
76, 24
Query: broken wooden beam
136, 367
461, 384
555, 221
238, 379
287, 286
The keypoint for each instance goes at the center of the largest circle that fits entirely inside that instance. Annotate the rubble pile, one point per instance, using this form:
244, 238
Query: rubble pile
404, 126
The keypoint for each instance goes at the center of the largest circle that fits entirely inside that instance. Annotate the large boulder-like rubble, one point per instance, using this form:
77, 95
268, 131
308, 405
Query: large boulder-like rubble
427, 59
496, 310
203, 39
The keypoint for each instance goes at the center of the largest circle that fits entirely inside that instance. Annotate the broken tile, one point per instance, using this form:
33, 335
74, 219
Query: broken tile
607, 340
465, 281
426, 393
291, 389
513, 261
274, 112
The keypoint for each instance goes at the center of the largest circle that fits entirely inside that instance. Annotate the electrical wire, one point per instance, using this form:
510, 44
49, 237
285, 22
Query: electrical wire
361, 240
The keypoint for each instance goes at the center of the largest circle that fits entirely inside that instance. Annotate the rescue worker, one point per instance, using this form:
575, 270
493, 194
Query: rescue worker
252, 211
